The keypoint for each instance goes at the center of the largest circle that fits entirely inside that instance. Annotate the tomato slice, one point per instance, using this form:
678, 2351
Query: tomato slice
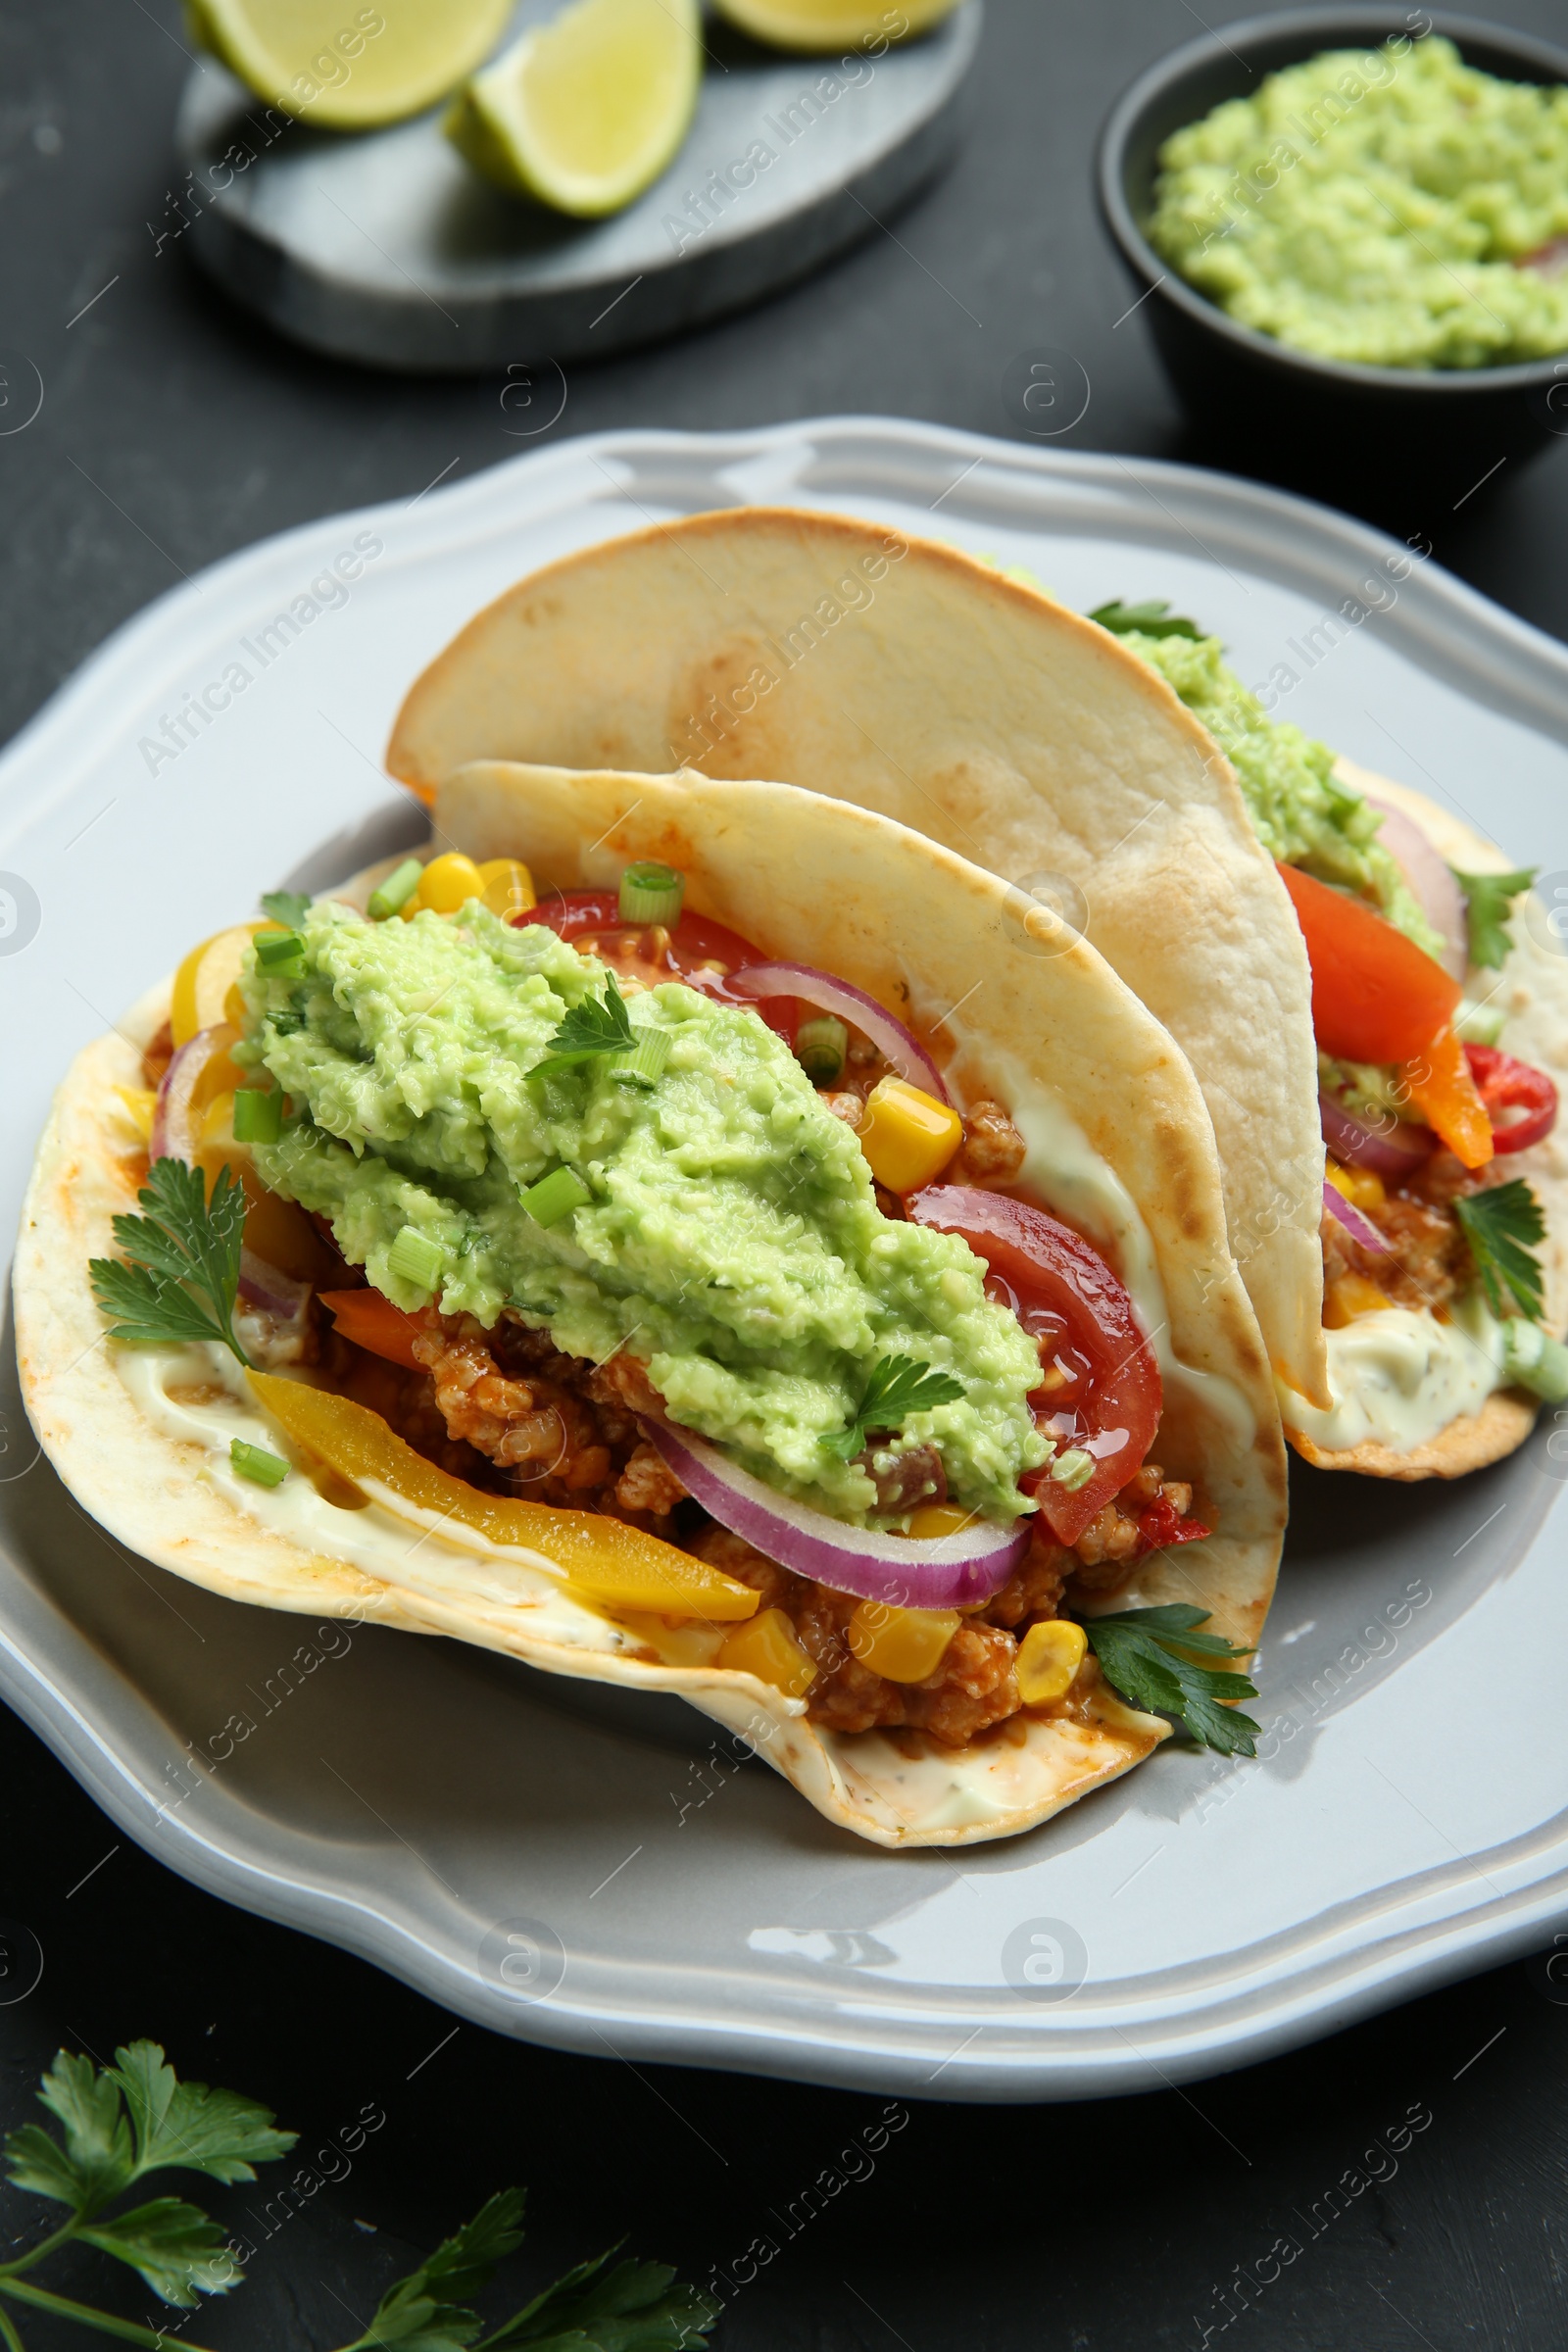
1101, 1388
698, 950
1376, 996
375, 1324
1505, 1084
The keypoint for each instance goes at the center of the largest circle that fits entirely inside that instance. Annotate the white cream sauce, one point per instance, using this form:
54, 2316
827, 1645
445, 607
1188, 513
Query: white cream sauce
1398, 1377
198, 1396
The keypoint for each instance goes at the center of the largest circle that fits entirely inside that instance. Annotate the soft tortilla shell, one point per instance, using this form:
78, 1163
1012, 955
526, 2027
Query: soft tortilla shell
910, 679
1534, 984
823, 891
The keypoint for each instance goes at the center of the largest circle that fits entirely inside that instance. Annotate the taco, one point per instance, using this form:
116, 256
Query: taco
912, 679
684, 1235
1440, 1009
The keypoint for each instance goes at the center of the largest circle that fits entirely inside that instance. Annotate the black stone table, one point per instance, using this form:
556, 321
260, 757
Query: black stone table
1400, 2185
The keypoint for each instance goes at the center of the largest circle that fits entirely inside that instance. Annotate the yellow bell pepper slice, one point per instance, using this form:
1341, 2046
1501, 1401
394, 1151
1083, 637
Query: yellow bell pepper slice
616, 1565
204, 980
1447, 1098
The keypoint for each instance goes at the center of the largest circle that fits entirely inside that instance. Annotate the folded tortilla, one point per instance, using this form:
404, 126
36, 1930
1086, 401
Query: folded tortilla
900, 675
1532, 984
911, 679
825, 883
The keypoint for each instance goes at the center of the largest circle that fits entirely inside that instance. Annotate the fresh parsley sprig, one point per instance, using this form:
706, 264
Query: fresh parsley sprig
286, 907
632, 2308
1152, 1656
1503, 1226
897, 1386
1155, 619
119, 2123
182, 1275
1489, 906
598, 1025
116, 2126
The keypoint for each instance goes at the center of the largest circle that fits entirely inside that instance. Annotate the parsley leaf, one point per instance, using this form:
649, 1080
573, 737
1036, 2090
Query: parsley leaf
598, 1025
98, 2158
632, 2308
1503, 1227
1150, 1656
1149, 620
184, 1274
177, 2248
1489, 902
897, 1388
286, 907
214, 2131
427, 2311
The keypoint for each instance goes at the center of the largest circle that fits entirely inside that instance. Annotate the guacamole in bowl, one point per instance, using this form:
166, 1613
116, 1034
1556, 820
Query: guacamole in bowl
1393, 207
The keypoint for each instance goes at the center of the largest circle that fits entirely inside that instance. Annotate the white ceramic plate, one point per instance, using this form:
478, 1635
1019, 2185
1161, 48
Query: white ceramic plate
598, 1871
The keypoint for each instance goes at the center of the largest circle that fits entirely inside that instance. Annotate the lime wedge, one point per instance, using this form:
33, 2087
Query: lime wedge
587, 112
345, 68
824, 24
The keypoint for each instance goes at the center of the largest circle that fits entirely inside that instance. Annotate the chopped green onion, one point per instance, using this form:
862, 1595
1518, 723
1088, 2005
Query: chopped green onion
1479, 1024
258, 1116
393, 895
555, 1195
820, 1047
415, 1257
650, 894
1535, 1361
279, 954
645, 1064
1073, 1469
254, 1462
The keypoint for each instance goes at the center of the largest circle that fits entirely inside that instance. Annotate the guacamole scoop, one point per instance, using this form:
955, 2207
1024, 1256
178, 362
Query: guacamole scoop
1394, 207
730, 1239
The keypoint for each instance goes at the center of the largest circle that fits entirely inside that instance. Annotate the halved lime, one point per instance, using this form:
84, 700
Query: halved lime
820, 26
345, 68
586, 112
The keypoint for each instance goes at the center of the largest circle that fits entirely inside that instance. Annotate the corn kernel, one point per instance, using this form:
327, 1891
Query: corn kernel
508, 886
933, 1520
904, 1644
907, 1137
447, 883
1049, 1657
1348, 1297
1361, 1187
766, 1645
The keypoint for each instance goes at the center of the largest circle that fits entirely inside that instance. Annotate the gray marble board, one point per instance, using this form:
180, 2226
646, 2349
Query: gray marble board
384, 247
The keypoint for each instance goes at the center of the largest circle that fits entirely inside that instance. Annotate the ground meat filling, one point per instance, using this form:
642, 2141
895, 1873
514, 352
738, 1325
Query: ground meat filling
1427, 1261
507, 1411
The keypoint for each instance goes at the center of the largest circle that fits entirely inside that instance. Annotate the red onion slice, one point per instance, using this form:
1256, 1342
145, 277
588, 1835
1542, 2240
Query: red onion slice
1431, 878
1360, 1229
948, 1572
268, 1287
1395, 1150
177, 1118
890, 1037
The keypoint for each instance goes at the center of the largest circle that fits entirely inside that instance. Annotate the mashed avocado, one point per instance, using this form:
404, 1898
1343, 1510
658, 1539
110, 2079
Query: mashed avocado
1375, 206
1299, 811
732, 1242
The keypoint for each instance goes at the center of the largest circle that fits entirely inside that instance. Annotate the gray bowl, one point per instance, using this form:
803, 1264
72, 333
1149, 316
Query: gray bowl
1297, 414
